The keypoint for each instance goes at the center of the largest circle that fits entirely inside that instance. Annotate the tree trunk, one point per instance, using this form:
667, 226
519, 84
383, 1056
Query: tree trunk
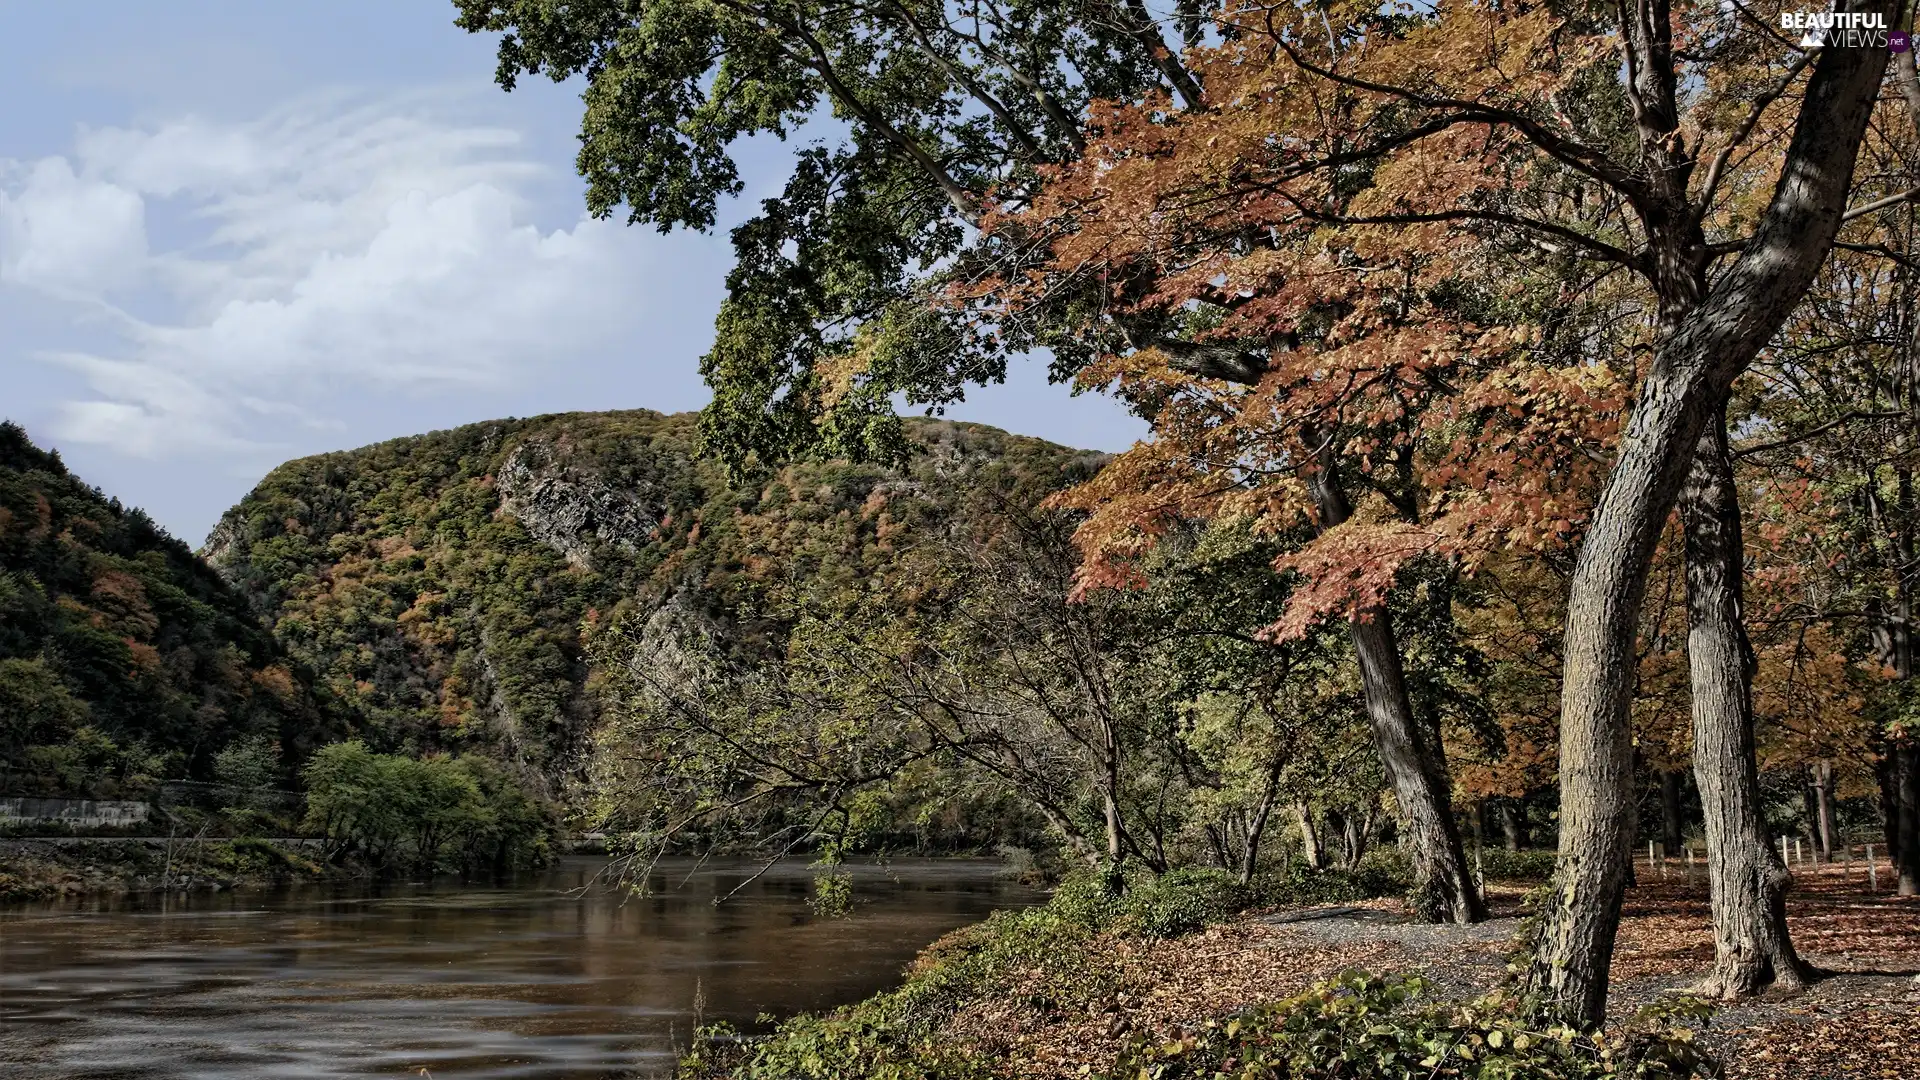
1825, 817
1443, 888
1257, 825
1309, 837
1415, 764
1111, 806
1513, 823
1355, 831
1899, 768
1217, 845
1748, 883
1110, 792
1684, 387
1333, 838
1905, 755
1671, 823
1889, 802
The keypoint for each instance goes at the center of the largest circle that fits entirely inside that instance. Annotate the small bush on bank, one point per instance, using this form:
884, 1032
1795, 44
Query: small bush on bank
1182, 901
1379, 873
1358, 1026
1499, 864
394, 812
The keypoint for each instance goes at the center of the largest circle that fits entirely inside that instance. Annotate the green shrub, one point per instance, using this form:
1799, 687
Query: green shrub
1089, 898
1380, 873
1358, 1026
1182, 901
253, 857
1499, 864
396, 812
1384, 871
825, 1048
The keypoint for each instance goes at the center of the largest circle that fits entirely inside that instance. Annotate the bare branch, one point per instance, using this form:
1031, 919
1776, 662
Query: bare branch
1717, 168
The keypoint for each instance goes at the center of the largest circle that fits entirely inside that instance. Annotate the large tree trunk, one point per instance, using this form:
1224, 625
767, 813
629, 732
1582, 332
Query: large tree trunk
1684, 388
1748, 882
1672, 823
1414, 762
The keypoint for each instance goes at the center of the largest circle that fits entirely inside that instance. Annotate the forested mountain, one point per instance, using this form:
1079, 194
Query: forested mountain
450, 587
124, 658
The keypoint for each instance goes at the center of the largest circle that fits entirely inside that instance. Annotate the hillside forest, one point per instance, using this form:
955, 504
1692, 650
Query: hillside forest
1533, 409
1534, 396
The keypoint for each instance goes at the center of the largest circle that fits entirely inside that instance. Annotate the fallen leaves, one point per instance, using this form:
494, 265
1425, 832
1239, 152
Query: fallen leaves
1863, 1021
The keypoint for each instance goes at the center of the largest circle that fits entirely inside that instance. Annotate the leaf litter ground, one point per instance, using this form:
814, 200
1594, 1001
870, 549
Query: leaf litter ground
1860, 1018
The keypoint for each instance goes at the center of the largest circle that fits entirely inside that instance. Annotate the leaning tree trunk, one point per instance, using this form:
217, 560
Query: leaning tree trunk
1309, 837
1684, 388
1409, 752
1751, 947
1443, 888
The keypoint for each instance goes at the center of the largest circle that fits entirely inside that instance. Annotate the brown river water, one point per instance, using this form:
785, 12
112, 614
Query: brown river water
531, 980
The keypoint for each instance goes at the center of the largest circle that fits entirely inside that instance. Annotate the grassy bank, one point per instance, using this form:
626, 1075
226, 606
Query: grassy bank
1196, 976
39, 868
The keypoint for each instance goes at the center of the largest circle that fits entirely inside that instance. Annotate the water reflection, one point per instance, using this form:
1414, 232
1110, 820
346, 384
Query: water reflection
529, 981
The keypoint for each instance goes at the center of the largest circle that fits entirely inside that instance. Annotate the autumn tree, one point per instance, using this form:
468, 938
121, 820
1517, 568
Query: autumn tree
1575, 134
1295, 369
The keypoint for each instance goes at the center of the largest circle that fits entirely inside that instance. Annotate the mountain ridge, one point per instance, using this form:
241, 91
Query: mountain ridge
449, 586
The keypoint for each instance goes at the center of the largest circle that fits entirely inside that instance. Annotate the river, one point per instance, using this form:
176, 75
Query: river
534, 980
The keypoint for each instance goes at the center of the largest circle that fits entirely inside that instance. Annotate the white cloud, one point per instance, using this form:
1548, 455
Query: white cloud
323, 247
68, 235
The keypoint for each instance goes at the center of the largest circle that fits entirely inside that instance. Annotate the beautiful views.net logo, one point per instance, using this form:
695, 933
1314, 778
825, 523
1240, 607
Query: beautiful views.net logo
1845, 30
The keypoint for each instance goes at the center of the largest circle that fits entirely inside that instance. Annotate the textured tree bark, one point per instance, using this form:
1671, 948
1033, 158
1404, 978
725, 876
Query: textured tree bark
1683, 390
1355, 833
1672, 782
1414, 762
1309, 836
1257, 825
1905, 754
1899, 769
1825, 815
1751, 947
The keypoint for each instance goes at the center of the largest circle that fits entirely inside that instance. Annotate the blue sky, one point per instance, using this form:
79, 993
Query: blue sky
235, 233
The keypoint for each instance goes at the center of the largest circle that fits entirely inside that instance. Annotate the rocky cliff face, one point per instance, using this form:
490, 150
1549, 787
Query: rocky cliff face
573, 513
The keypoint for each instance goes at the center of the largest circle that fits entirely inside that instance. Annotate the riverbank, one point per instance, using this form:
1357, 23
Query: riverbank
42, 868
1034, 1001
